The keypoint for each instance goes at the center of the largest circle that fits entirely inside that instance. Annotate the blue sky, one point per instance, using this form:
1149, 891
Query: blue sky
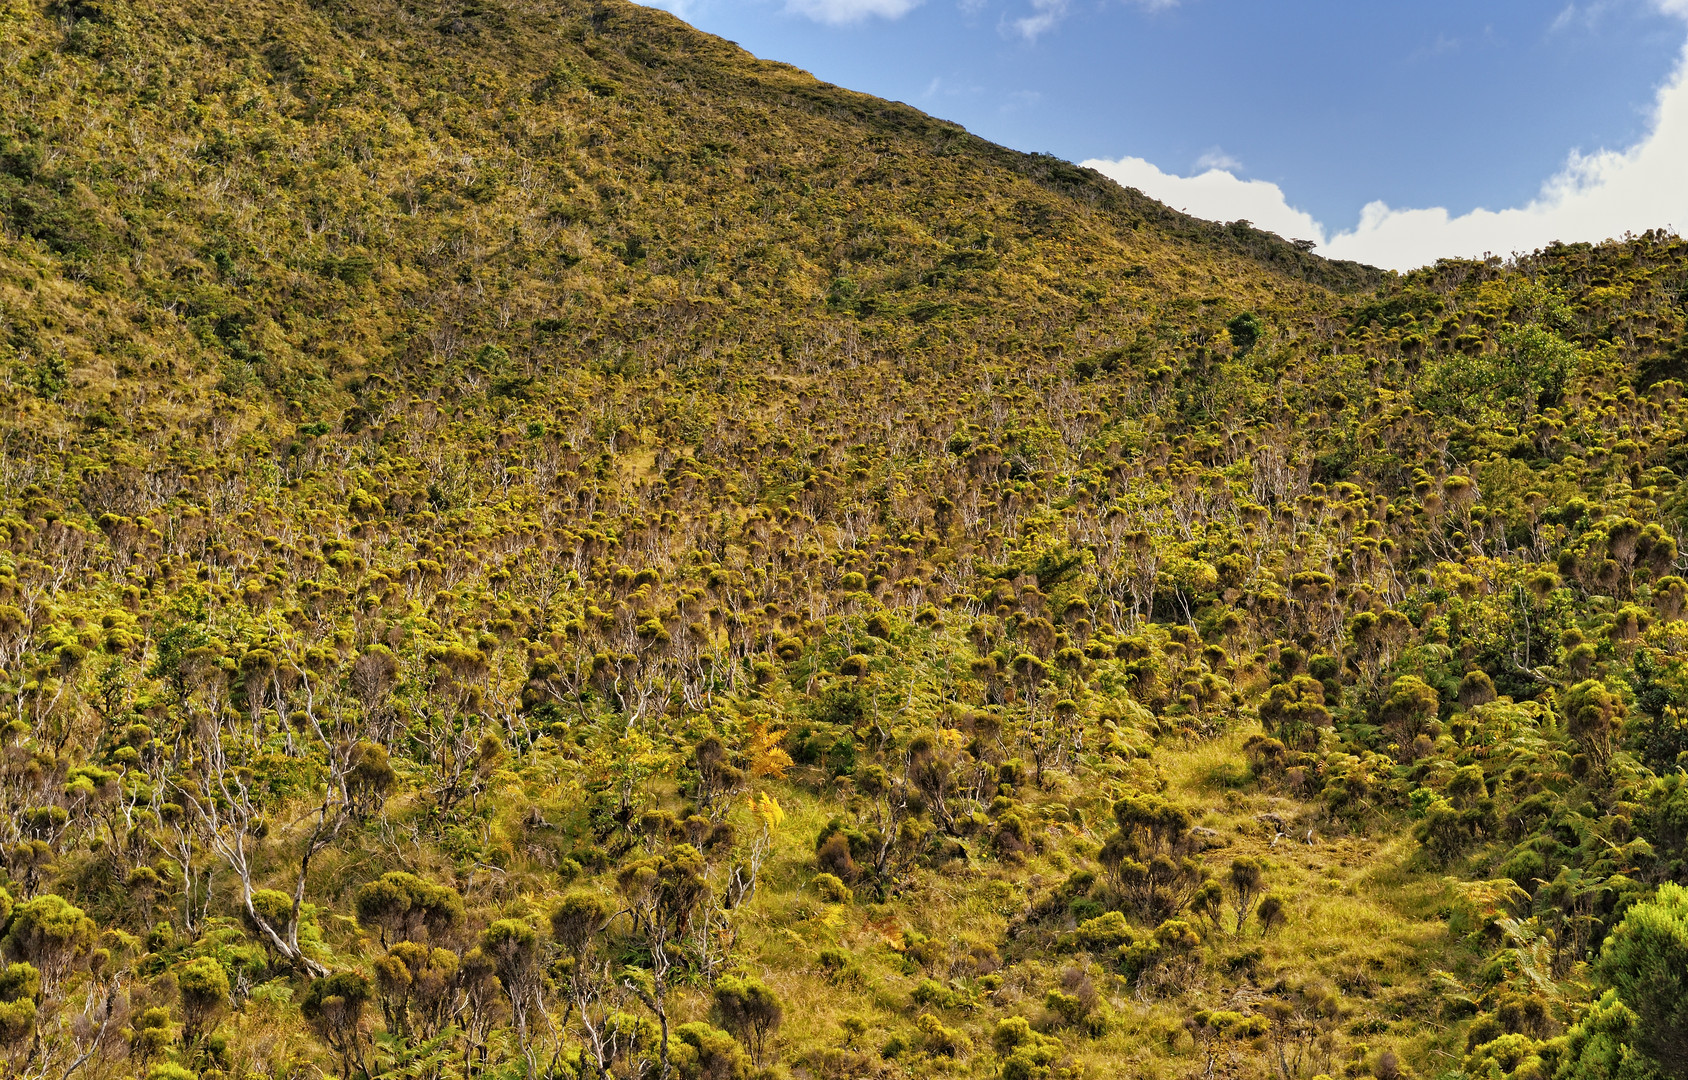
1374, 128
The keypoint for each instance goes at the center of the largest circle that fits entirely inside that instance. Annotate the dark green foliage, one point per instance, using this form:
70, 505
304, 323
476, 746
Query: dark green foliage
51, 377
1245, 330
1602, 1046
1646, 961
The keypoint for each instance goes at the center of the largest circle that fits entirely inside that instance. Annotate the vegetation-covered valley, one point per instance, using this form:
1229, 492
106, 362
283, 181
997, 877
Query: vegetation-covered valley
534, 544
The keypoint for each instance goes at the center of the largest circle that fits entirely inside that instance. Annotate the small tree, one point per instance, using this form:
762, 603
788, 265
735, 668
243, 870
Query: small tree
20, 986
750, 1011
368, 779
1270, 914
661, 894
1295, 711
717, 779
373, 676
204, 989
334, 1006
1592, 716
1147, 858
1601, 1046
702, 1052
417, 987
17, 1022
1219, 1032
1209, 902
1248, 878
52, 934
20, 981
594, 999
1408, 711
406, 907
151, 1034
513, 948
1026, 1054
1300, 1023
1476, 689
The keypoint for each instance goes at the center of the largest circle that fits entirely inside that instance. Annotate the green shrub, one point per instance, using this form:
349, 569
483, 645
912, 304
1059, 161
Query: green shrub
203, 986
1646, 961
697, 1051
831, 889
1105, 933
1025, 1054
1601, 1046
940, 1041
935, 995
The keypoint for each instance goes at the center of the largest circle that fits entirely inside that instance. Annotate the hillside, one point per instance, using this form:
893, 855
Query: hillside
537, 544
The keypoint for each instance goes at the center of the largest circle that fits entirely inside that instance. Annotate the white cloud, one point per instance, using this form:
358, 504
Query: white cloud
1587, 17
842, 12
1594, 197
1216, 158
941, 90
830, 12
1215, 194
1045, 14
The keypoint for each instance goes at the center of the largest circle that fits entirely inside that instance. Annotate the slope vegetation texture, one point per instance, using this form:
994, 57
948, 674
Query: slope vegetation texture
536, 545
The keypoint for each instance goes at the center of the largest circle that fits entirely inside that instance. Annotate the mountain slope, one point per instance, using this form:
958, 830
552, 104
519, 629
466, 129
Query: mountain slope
538, 544
332, 186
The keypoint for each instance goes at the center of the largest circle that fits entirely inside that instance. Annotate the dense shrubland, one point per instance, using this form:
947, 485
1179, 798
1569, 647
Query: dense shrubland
537, 545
